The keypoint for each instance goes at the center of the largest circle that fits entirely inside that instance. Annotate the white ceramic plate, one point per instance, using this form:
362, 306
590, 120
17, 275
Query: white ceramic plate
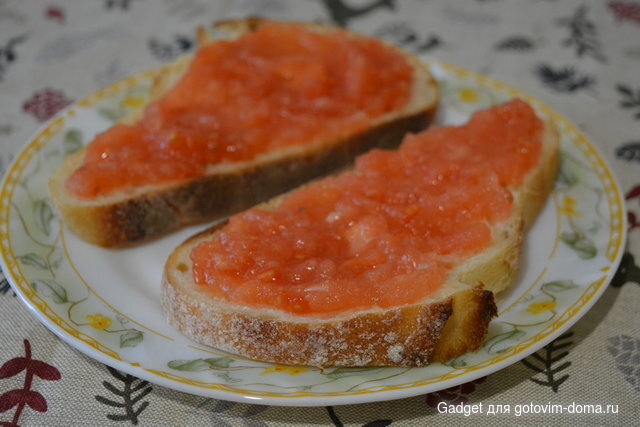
106, 303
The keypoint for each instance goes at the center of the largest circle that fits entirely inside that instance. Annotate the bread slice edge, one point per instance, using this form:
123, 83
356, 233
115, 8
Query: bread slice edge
136, 216
452, 321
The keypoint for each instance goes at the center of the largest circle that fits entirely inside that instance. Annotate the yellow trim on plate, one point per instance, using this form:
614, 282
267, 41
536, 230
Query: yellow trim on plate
63, 243
14, 269
556, 239
566, 316
616, 231
128, 82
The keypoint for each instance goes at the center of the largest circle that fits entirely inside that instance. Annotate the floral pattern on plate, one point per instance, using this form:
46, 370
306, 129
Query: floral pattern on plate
106, 303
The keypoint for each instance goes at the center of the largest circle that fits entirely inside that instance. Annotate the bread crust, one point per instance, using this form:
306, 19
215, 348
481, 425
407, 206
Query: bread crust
537, 185
451, 322
144, 213
447, 324
410, 335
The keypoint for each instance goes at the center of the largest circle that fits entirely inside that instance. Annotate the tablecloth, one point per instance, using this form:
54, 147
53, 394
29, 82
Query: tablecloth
580, 57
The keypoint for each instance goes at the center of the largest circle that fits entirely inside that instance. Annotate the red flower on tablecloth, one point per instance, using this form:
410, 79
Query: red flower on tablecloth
453, 395
633, 218
625, 11
45, 103
25, 396
55, 13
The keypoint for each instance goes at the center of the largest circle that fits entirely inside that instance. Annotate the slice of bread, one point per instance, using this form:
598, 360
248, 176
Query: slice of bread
446, 324
137, 214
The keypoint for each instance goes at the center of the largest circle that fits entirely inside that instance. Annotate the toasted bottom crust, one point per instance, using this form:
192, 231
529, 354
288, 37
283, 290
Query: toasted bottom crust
413, 335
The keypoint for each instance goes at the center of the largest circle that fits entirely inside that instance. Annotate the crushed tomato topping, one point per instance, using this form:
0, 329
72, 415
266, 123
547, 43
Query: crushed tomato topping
384, 235
279, 86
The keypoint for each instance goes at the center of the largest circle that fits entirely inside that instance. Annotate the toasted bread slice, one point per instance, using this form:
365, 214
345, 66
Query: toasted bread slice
446, 324
138, 214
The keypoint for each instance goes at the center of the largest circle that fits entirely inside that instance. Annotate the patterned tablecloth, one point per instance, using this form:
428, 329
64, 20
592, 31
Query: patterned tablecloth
580, 57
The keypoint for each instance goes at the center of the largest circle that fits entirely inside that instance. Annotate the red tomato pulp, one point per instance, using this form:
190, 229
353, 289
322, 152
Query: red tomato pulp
384, 235
279, 86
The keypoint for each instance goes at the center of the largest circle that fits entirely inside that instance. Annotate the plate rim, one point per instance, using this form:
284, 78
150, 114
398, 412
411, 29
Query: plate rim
592, 291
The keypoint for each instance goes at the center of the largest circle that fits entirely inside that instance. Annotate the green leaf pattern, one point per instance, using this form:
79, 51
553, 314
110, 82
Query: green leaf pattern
458, 362
42, 215
559, 286
131, 338
51, 289
572, 183
72, 141
566, 176
197, 365
34, 260
348, 372
583, 245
